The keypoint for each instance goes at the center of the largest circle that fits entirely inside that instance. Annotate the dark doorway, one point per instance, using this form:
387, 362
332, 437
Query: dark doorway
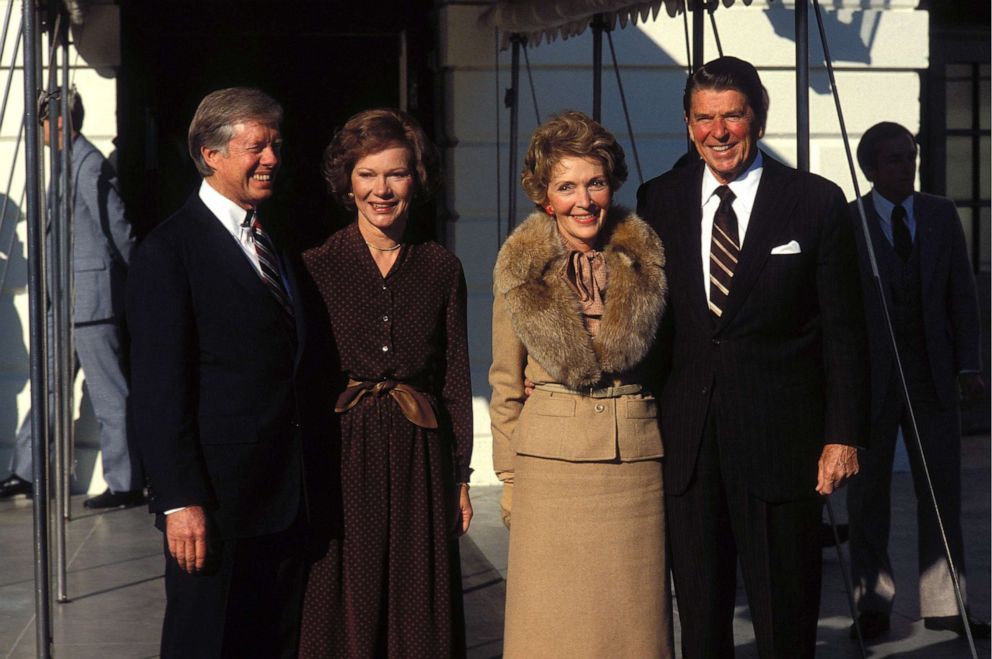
323, 61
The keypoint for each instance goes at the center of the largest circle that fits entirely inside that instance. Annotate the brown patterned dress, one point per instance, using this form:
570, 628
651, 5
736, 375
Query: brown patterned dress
389, 584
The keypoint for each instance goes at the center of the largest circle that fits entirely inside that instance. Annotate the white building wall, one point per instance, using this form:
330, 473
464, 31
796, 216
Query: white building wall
878, 47
100, 127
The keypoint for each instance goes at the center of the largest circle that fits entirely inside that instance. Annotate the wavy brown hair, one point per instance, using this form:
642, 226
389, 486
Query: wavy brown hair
372, 131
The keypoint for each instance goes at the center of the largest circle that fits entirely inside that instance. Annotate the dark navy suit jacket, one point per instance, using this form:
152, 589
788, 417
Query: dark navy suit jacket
215, 370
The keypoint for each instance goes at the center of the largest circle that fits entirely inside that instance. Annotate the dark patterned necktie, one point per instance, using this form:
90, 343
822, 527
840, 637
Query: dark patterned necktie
901, 240
269, 265
725, 249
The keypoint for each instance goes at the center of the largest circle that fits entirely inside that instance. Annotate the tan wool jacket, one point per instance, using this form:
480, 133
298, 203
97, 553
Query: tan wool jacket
538, 334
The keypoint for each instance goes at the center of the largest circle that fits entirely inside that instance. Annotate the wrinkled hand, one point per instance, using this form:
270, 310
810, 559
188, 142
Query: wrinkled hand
838, 462
971, 385
464, 515
186, 534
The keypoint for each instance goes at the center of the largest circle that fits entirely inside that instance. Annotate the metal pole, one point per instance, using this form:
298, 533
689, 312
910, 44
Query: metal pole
69, 363
848, 582
802, 85
499, 165
918, 445
56, 375
13, 160
690, 65
530, 81
36, 306
10, 71
63, 320
3, 44
976, 170
716, 33
623, 102
512, 101
597, 67
698, 23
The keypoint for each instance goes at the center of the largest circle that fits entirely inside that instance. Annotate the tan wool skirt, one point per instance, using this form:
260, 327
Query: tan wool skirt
587, 574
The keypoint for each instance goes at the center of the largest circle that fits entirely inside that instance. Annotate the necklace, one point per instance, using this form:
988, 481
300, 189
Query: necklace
384, 249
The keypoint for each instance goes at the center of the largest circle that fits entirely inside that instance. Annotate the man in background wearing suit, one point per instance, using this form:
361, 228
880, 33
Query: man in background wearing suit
101, 249
216, 338
764, 390
930, 293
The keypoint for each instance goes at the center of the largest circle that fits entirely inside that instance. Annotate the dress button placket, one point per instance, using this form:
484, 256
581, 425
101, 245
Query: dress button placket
387, 303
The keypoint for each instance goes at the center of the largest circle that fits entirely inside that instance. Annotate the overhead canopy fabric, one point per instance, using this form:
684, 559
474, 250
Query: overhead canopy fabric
551, 19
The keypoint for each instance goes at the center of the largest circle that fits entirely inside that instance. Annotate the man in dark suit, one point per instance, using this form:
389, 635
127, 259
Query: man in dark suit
101, 247
930, 293
763, 398
216, 337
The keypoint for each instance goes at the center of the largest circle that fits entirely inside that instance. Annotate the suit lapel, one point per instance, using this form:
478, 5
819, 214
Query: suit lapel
226, 255
772, 205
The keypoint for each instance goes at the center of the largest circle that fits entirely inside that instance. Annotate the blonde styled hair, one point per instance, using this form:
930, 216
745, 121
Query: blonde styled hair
569, 133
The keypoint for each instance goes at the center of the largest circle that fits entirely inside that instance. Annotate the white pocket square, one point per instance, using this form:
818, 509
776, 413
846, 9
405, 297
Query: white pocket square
791, 247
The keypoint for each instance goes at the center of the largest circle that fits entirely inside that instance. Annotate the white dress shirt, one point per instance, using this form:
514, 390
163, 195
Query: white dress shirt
884, 208
745, 188
232, 217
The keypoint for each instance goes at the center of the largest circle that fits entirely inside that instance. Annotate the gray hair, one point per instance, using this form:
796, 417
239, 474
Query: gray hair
219, 112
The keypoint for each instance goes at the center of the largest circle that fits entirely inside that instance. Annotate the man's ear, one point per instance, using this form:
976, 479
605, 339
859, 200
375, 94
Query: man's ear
210, 156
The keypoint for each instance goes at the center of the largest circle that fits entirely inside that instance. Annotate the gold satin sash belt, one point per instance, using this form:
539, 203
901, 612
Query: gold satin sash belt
414, 404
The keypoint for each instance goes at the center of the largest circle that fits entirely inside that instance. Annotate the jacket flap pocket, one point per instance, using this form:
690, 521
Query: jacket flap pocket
82, 265
228, 430
641, 408
552, 405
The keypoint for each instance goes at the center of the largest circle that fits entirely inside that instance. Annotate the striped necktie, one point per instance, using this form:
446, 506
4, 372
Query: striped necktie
724, 250
269, 265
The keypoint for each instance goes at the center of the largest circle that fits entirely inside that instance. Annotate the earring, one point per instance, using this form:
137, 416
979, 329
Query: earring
550, 210
350, 195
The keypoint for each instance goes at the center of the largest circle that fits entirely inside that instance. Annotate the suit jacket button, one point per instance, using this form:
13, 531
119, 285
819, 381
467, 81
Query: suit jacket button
705, 390
715, 342
600, 407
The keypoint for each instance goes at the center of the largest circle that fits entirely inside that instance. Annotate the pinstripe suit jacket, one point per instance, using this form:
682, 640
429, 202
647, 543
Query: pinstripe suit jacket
785, 369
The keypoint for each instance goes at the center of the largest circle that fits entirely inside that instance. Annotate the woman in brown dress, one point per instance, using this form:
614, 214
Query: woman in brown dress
578, 296
390, 582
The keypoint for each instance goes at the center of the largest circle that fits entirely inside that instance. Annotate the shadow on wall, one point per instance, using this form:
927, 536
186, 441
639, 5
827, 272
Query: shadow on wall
849, 42
14, 372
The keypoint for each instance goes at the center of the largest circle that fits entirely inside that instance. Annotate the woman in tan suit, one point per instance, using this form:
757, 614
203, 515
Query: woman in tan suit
578, 296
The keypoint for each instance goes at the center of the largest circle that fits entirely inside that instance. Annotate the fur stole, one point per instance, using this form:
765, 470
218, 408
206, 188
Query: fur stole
545, 311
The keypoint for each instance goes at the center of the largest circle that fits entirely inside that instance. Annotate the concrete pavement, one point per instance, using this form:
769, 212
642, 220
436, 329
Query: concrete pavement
117, 594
